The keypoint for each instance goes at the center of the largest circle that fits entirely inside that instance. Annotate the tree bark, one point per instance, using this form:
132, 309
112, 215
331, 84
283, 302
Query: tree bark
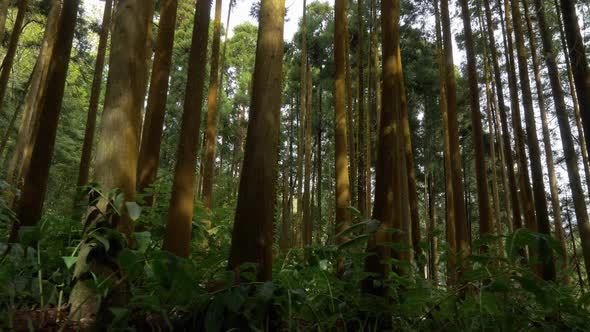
572, 87
577, 55
117, 153
524, 180
30, 204
180, 213
342, 190
307, 204
3, 12
361, 117
11, 50
571, 157
212, 112
252, 237
456, 171
433, 261
149, 152
95, 95
486, 219
388, 208
19, 162
512, 193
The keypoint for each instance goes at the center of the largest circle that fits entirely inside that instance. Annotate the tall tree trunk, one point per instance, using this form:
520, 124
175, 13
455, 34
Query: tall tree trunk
19, 162
21, 95
579, 63
212, 112
252, 237
149, 152
180, 213
307, 218
3, 12
95, 95
512, 193
524, 180
342, 190
412, 191
433, 260
8, 61
319, 156
575, 257
369, 118
456, 171
350, 116
571, 157
361, 117
572, 87
390, 155
301, 127
540, 200
284, 238
376, 62
486, 219
496, 226
30, 204
117, 154
545, 228
449, 193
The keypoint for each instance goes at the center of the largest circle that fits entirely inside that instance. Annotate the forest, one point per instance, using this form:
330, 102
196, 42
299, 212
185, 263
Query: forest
388, 165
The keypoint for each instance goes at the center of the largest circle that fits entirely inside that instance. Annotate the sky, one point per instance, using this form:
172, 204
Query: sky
240, 14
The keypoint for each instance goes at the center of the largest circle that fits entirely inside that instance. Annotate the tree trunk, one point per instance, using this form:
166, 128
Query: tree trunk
30, 204
570, 76
19, 162
307, 218
342, 190
149, 152
376, 61
180, 213
486, 219
301, 126
576, 260
11, 50
412, 191
95, 95
3, 12
579, 63
212, 112
350, 115
456, 171
524, 180
361, 117
319, 157
449, 193
567, 141
505, 145
117, 153
252, 237
496, 225
540, 201
433, 261
21, 99
388, 208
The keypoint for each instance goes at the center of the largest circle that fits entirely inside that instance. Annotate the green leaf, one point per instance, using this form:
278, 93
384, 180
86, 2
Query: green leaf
69, 261
142, 240
354, 242
134, 210
103, 240
130, 262
119, 314
214, 316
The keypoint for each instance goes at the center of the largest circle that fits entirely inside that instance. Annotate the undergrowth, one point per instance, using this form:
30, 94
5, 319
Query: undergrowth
498, 293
